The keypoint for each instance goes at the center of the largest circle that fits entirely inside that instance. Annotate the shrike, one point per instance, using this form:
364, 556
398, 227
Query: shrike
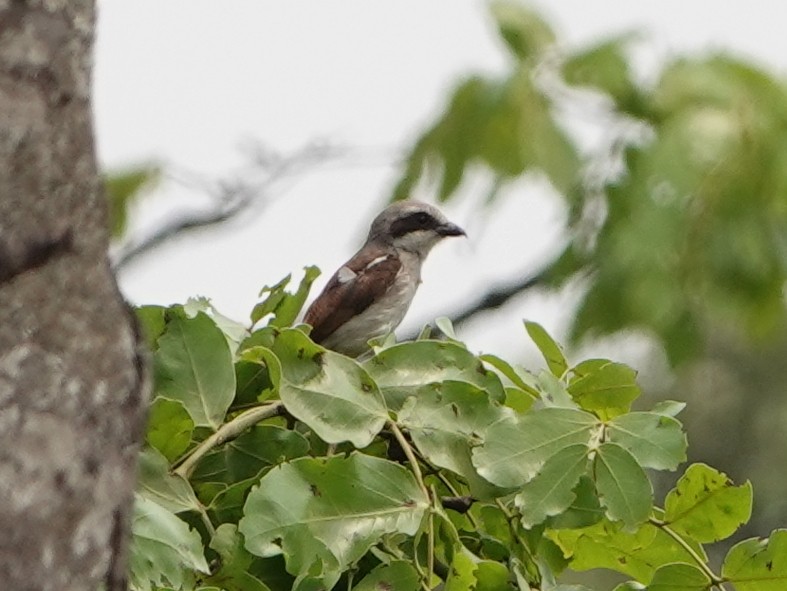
369, 295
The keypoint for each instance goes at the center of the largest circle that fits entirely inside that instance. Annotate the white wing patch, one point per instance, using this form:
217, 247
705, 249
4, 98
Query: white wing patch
345, 274
376, 261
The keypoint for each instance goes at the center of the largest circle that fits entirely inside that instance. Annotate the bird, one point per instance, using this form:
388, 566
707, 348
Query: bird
369, 295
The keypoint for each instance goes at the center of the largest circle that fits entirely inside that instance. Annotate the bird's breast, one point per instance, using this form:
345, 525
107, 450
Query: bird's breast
380, 318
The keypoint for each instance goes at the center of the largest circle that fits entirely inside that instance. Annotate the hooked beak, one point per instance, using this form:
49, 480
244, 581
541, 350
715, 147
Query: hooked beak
449, 229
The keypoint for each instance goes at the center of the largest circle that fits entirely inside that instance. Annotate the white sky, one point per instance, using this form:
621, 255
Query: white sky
186, 82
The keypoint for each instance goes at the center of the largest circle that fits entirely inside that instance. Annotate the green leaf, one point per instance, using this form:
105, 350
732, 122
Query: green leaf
253, 384
604, 386
518, 400
235, 562
259, 448
518, 376
446, 327
514, 451
273, 573
157, 483
526, 34
758, 565
163, 549
605, 66
234, 331
461, 576
669, 408
287, 311
122, 189
194, 365
152, 322
679, 577
706, 506
397, 575
400, 371
276, 295
491, 576
584, 511
554, 392
551, 351
226, 504
445, 420
655, 440
169, 427
637, 554
284, 305
329, 392
623, 486
552, 490
325, 514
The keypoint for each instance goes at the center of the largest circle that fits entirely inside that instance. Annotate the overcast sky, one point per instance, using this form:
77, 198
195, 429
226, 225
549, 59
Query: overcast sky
187, 83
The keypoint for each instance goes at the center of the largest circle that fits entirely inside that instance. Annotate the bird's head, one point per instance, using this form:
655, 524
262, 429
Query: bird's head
413, 226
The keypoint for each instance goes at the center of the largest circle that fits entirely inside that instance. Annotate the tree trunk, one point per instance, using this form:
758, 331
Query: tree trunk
72, 378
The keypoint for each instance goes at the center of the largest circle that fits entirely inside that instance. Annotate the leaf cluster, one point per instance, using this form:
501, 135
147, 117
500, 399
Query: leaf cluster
676, 221
272, 463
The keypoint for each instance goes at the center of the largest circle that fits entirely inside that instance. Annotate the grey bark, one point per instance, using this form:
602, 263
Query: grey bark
72, 377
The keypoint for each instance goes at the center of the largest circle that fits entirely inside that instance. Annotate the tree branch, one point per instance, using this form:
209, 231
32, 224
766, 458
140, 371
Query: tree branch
227, 432
491, 300
497, 297
231, 199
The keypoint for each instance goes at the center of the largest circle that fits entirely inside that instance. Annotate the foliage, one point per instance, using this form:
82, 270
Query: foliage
676, 222
122, 188
422, 465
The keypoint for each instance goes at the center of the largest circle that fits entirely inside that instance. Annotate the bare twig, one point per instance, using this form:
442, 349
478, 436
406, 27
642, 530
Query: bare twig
491, 300
496, 297
254, 190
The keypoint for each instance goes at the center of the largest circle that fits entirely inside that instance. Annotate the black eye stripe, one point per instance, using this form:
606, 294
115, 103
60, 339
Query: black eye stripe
418, 220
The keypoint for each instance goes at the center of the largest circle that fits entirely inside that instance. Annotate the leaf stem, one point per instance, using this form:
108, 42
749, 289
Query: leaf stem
517, 538
430, 536
408, 451
419, 478
715, 580
206, 521
227, 432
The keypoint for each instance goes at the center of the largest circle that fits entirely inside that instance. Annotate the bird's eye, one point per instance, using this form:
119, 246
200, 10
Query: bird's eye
423, 218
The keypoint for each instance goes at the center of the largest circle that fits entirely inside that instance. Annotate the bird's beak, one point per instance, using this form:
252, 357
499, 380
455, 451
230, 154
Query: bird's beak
449, 229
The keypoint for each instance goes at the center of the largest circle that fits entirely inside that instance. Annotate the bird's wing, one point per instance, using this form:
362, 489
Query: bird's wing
352, 289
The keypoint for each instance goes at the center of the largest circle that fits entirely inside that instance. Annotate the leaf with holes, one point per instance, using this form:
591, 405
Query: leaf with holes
329, 392
758, 565
706, 506
445, 420
400, 371
326, 513
164, 551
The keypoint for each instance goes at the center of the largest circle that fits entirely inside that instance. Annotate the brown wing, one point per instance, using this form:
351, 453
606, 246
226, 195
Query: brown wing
375, 271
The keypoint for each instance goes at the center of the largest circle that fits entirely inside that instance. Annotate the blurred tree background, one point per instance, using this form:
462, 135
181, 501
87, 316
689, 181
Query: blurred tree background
676, 229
